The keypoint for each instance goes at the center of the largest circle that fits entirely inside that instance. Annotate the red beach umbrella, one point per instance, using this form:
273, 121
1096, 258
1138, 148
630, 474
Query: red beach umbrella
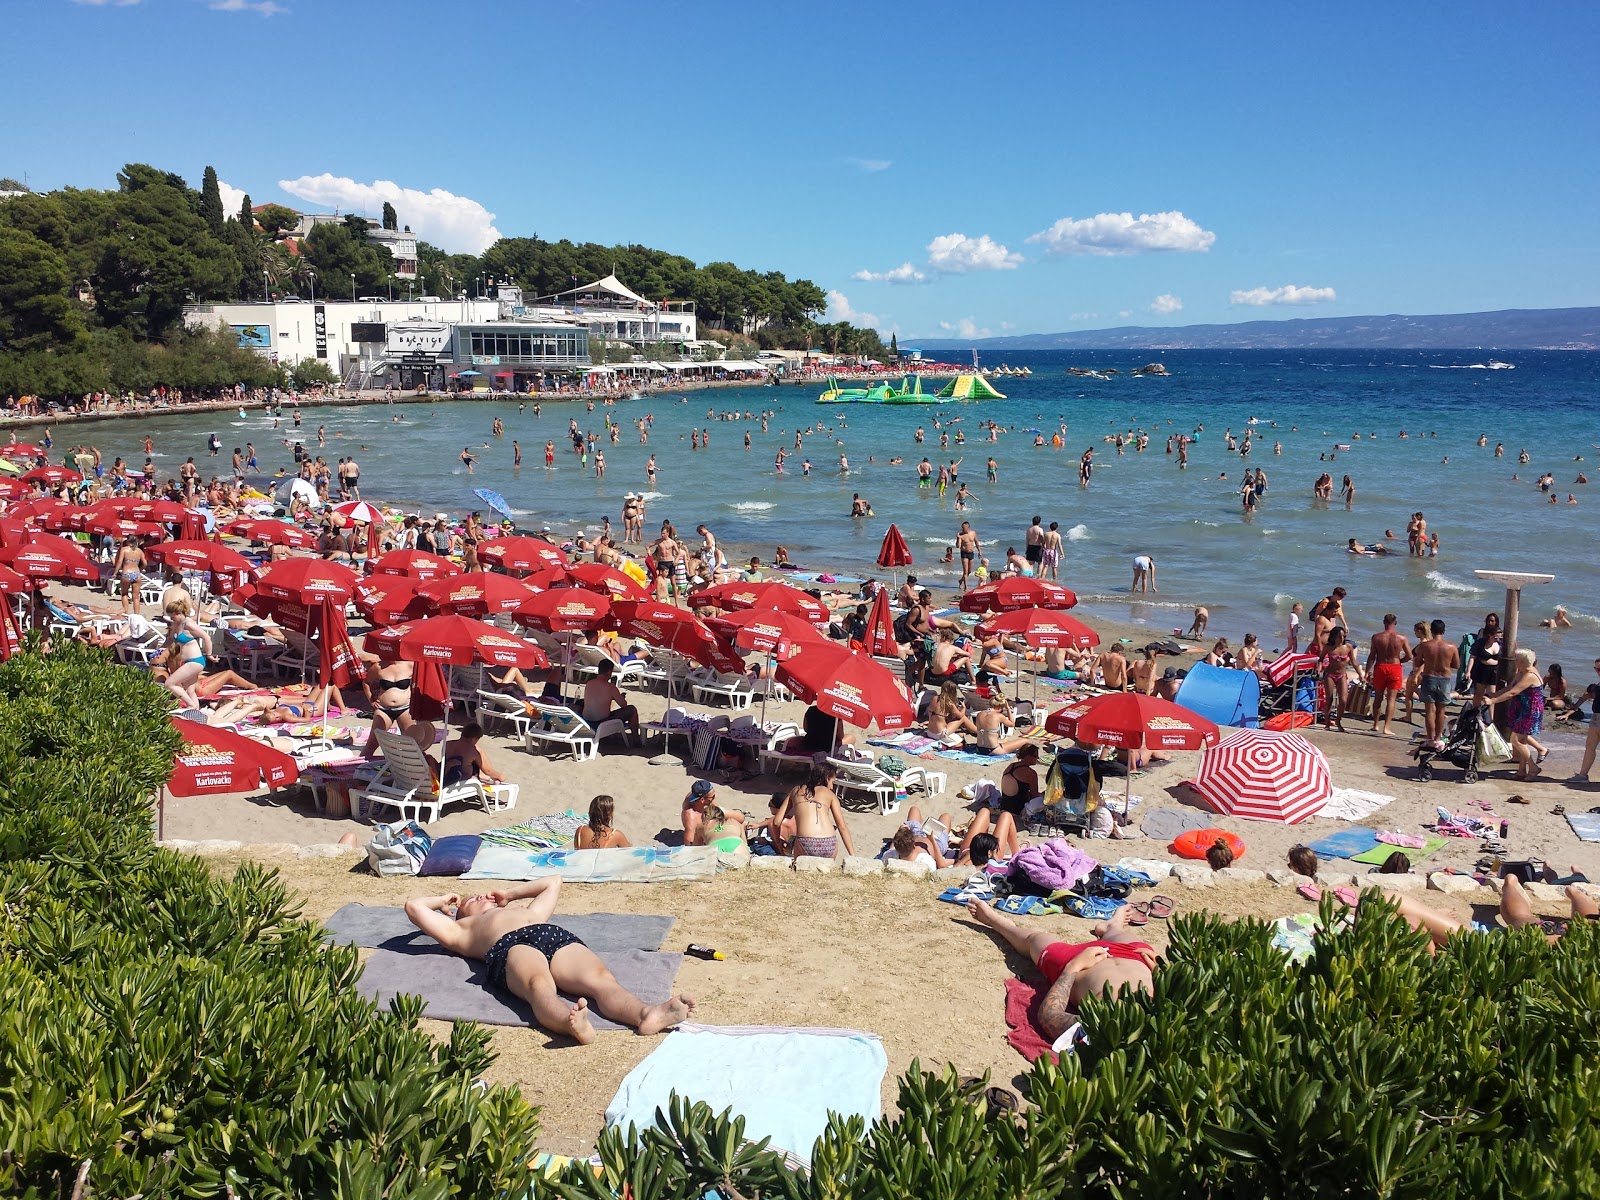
847, 685
10, 625
229, 569
1265, 777
22, 450
359, 510
601, 578
51, 476
415, 564
1131, 721
456, 640
550, 577
521, 554
389, 599
676, 629
49, 558
894, 552
307, 581
764, 631
213, 761
1017, 591
48, 512
1040, 627
273, 533
566, 610
13, 489
475, 594
111, 525
880, 637
13, 532
774, 595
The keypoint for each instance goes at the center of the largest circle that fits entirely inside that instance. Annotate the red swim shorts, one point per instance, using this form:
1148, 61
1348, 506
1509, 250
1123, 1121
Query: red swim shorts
1057, 955
1388, 677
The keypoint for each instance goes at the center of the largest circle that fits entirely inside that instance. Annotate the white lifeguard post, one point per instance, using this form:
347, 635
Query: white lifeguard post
1514, 582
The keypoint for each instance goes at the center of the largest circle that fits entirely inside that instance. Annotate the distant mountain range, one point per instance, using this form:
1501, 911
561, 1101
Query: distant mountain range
1509, 329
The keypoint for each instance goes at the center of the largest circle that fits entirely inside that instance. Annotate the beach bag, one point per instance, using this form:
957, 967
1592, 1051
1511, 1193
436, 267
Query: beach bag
892, 765
398, 849
902, 627
1492, 745
1071, 783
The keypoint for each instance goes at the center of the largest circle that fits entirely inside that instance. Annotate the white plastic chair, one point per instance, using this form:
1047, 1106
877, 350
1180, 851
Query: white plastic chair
735, 689
502, 706
406, 783
563, 727
871, 780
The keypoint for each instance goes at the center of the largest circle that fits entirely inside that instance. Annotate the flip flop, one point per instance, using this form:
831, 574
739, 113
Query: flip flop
1310, 891
1138, 914
1162, 907
1347, 895
1093, 908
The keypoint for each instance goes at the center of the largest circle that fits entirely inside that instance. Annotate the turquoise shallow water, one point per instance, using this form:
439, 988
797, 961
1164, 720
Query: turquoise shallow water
1246, 568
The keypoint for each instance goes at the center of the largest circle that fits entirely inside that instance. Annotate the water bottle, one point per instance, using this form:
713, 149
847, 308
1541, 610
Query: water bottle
695, 950
1505, 829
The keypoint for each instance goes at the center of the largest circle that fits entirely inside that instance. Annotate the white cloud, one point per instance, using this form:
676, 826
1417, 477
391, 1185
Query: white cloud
956, 254
232, 198
1287, 294
872, 165
1166, 303
1126, 312
840, 309
454, 223
966, 327
1123, 233
106, 3
266, 8
904, 273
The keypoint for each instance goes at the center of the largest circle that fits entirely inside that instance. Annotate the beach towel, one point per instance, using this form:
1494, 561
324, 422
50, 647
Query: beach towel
1055, 865
1164, 824
1349, 804
635, 864
1379, 854
972, 756
1295, 935
1347, 843
783, 1082
1585, 825
387, 926
1026, 1037
549, 832
454, 988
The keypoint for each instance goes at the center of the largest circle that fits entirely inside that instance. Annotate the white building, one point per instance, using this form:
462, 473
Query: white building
401, 243
338, 332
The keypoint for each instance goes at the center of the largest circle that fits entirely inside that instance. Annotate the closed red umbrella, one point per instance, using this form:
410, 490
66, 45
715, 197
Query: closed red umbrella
848, 685
601, 578
307, 581
389, 599
894, 552
229, 569
475, 594
521, 554
49, 558
51, 476
879, 638
10, 625
775, 596
565, 610
415, 564
1265, 777
1040, 627
1017, 591
273, 533
764, 631
1132, 721
460, 641
675, 629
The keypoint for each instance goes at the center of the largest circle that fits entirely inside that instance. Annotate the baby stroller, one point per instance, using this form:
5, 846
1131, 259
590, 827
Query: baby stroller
1460, 747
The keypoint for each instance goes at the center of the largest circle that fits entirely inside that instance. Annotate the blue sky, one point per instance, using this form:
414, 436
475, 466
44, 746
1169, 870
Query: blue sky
1007, 167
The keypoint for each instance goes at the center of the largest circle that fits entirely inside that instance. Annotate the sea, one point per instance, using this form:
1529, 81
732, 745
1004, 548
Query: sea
1404, 425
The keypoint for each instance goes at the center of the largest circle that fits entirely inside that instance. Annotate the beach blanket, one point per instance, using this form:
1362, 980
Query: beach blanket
784, 1082
454, 987
1379, 854
1295, 935
634, 864
1585, 825
1026, 1037
1164, 824
1349, 804
549, 832
387, 926
908, 743
972, 756
1347, 843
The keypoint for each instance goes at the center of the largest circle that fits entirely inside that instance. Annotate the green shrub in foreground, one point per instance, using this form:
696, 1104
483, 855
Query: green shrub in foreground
181, 1034
1375, 1069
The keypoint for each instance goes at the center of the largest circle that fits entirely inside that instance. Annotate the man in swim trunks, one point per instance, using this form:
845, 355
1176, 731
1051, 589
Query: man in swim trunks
967, 545
1115, 960
1389, 650
1439, 661
535, 960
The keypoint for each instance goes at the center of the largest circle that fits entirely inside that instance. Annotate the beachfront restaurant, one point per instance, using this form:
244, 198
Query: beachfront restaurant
512, 355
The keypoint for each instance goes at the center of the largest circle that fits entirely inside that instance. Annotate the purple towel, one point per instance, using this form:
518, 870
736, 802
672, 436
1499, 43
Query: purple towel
1055, 865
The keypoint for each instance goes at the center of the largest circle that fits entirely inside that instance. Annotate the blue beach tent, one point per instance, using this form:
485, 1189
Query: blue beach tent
1220, 695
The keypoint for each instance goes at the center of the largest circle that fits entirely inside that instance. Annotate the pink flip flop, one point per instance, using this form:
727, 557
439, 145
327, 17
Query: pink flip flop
1310, 891
1347, 895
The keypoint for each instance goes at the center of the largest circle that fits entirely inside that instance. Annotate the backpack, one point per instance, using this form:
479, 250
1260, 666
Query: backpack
1071, 783
902, 627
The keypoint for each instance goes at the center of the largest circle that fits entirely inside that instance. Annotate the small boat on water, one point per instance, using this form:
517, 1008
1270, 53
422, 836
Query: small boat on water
1494, 364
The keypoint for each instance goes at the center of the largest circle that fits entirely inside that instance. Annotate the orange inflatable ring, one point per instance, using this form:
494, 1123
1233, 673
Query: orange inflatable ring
1285, 721
1195, 842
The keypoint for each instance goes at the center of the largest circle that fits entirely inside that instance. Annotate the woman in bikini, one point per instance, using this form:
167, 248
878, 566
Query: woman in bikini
1019, 783
722, 831
947, 715
187, 646
1338, 665
991, 723
818, 820
600, 833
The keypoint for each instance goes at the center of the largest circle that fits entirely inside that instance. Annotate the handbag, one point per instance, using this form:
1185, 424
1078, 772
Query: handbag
1492, 745
398, 849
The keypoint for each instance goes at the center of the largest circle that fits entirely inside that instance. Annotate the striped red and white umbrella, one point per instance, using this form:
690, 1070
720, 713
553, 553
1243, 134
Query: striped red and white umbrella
1265, 776
1286, 666
359, 510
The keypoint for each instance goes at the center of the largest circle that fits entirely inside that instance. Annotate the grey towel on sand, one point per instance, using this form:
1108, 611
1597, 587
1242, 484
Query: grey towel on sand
1164, 824
386, 926
455, 990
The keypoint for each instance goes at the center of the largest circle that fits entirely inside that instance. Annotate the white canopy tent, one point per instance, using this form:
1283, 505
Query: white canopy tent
609, 286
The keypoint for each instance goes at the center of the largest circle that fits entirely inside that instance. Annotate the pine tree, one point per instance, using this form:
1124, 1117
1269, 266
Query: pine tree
391, 219
247, 218
211, 201
894, 347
